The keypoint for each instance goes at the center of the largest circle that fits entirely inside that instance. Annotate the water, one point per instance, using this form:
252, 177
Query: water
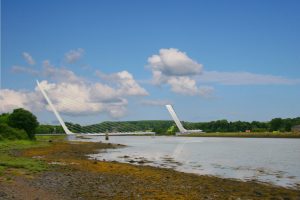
275, 161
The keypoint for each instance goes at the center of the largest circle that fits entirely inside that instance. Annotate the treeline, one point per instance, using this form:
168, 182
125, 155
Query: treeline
276, 124
20, 124
169, 127
158, 126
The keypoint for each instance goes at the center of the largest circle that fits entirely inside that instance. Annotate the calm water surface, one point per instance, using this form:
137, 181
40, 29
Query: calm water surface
275, 161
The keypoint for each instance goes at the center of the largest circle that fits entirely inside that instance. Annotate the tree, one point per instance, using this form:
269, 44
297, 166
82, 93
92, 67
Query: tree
23, 119
276, 124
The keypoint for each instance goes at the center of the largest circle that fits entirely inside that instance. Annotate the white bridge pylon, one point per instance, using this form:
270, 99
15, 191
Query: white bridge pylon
182, 130
61, 121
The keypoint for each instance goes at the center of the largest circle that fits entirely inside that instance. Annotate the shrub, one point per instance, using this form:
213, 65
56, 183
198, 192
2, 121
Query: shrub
9, 133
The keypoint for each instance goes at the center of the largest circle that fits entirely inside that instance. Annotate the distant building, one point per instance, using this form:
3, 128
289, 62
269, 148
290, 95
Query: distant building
247, 131
296, 128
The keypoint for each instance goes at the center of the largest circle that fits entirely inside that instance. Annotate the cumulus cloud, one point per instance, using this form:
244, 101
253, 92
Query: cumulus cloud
28, 58
125, 82
82, 98
12, 99
74, 95
176, 69
172, 62
244, 78
74, 55
184, 75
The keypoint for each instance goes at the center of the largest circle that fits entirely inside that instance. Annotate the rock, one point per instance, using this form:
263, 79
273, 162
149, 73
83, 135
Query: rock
258, 193
141, 162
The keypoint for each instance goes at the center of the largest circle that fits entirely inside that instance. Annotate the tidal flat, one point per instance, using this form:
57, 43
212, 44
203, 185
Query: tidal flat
69, 174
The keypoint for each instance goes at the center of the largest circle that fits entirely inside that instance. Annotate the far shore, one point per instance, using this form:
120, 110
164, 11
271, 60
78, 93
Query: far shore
53, 168
224, 134
248, 134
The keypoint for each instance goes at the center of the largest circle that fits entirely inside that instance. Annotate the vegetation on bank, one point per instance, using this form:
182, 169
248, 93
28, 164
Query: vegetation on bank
20, 124
248, 135
168, 127
9, 153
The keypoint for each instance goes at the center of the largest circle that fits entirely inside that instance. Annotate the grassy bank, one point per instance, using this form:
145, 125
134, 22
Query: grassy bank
70, 175
249, 135
10, 158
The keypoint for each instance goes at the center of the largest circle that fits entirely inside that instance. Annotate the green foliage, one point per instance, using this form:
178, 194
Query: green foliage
9, 133
8, 160
46, 138
171, 130
279, 124
49, 129
276, 124
18, 162
4, 118
166, 126
274, 134
158, 126
23, 119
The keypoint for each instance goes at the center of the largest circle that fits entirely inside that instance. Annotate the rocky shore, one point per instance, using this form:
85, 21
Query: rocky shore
71, 175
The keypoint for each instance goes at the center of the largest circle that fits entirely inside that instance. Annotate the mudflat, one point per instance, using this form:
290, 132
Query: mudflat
70, 174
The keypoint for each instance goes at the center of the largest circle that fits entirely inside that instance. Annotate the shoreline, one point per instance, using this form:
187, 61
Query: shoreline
71, 174
291, 135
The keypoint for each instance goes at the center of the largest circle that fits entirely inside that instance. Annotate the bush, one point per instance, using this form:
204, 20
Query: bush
9, 133
23, 119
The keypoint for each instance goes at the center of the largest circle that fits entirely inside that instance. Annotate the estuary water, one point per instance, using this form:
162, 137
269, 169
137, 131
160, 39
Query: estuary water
270, 160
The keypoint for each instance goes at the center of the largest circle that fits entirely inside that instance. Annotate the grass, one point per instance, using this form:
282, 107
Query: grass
9, 158
50, 137
249, 135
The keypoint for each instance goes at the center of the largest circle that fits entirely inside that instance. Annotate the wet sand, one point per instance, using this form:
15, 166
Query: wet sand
71, 175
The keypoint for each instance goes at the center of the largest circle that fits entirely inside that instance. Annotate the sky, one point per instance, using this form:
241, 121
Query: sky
124, 60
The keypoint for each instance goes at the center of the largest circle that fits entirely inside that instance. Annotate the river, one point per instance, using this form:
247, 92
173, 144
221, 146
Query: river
269, 160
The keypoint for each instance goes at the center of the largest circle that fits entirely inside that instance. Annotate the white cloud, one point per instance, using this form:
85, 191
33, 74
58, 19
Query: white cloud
77, 99
176, 69
183, 85
244, 78
184, 75
28, 58
11, 99
125, 82
74, 55
155, 102
172, 62
70, 98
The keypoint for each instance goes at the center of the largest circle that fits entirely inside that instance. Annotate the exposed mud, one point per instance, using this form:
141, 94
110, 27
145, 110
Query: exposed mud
72, 175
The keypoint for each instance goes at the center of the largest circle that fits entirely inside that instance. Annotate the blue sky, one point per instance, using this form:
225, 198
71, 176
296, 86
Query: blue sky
247, 56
